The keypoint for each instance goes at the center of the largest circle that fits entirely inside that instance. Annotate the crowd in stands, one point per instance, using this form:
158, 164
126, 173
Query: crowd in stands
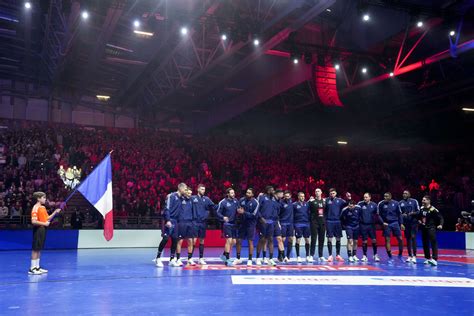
147, 165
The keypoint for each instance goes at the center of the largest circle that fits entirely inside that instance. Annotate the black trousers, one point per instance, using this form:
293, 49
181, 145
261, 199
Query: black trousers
318, 231
428, 236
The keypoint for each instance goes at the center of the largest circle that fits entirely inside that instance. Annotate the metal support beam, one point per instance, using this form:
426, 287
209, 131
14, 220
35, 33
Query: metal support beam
286, 79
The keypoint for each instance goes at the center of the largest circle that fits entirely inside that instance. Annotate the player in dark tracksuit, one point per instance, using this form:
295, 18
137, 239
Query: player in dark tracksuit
248, 224
350, 219
186, 228
202, 207
334, 206
430, 219
301, 224
391, 217
318, 224
369, 213
286, 223
410, 210
227, 213
170, 224
267, 219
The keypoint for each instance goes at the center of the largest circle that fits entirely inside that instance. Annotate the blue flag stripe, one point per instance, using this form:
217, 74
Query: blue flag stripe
95, 185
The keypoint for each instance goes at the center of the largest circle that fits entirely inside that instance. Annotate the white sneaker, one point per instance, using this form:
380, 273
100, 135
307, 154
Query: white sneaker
330, 259
236, 262
265, 260
356, 259
322, 259
427, 261
249, 263
174, 263
376, 258
191, 262
202, 262
34, 271
158, 263
258, 262
286, 260
413, 260
179, 262
272, 262
42, 270
364, 259
433, 262
298, 259
310, 259
351, 259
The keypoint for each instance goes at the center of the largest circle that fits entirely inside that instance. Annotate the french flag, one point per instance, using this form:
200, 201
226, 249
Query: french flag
97, 189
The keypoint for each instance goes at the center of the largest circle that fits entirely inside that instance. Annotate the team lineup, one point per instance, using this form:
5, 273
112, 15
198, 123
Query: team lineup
273, 215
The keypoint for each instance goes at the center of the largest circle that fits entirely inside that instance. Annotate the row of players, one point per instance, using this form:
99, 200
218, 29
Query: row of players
274, 215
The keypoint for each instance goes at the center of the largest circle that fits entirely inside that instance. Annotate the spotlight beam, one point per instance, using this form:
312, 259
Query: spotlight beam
462, 48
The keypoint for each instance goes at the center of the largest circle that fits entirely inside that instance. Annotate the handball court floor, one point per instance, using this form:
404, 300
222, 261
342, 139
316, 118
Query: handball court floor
125, 281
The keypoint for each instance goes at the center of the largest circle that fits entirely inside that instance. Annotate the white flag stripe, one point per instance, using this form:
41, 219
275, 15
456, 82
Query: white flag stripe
105, 204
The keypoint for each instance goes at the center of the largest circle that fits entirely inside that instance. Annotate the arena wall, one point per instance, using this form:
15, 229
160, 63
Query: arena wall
128, 238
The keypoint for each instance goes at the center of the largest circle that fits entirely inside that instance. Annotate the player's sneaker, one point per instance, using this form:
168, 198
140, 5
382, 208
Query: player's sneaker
286, 260
223, 258
351, 259
179, 262
433, 262
265, 260
309, 259
339, 258
191, 262
249, 263
322, 259
174, 263
272, 262
427, 261
42, 270
34, 271
364, 259
330, 259
376, 258
413, 259
298, 260
236, 262
258, 262
202, 262
408, 260
229, 263
158, 263
356, 259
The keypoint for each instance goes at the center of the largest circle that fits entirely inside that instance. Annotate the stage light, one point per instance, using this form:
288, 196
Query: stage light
224, 37
366, 17
328, 10
341, 142
364, 70
256, 42
184, 31
136, 24
337, 66
143, 33
295, 60
452, 33
85, 15
103, 97
27, 5
419, 24
468, 109
391, 74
